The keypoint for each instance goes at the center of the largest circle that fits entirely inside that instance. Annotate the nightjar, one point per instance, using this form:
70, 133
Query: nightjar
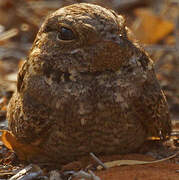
86, 87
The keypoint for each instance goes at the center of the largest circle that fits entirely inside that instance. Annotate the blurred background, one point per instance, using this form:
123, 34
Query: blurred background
154, 23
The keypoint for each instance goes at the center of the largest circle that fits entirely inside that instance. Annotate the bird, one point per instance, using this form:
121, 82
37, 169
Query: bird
87, 87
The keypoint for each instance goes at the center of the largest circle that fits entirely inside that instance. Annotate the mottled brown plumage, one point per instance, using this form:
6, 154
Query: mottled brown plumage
86, 87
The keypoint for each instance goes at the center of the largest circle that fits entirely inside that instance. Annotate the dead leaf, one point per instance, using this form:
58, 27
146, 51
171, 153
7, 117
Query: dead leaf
133, 162
6, 138
150, 28
23, 151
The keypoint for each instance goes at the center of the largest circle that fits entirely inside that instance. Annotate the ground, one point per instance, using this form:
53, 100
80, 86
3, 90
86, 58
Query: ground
155, 25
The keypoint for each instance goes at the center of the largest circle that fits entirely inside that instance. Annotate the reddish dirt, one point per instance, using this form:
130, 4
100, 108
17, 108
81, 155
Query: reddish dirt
164, 171
157, 171
167, 170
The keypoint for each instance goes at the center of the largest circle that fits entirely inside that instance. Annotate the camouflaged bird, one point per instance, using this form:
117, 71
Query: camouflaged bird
86, 87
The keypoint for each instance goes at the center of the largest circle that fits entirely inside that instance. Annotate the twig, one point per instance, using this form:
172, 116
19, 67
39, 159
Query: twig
8, 34
98, 161
28, 173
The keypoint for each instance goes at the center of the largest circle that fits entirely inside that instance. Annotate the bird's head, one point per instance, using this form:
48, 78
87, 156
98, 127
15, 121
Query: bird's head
81, 37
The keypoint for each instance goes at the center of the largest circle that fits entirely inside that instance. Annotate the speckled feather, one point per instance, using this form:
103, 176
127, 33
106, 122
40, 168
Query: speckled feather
95, 93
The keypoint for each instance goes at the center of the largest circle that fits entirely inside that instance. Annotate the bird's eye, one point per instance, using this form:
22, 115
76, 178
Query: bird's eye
66, 34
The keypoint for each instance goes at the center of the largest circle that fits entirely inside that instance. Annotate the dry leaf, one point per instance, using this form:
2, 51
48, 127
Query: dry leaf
133, 162
150, 28
23, 151
6, 138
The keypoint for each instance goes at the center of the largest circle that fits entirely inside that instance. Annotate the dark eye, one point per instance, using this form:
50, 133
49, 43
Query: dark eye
66, 34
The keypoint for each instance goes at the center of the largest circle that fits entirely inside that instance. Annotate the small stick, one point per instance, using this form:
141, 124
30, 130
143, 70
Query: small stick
8, 34
98, 161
